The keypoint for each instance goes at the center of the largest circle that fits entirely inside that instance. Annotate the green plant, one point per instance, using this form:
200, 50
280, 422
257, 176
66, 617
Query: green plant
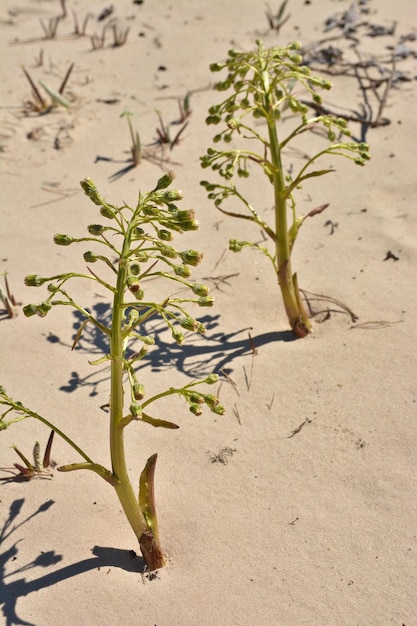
38, 468
38, 104
164, 133
140, 241
136, 147
264, 85
8, 300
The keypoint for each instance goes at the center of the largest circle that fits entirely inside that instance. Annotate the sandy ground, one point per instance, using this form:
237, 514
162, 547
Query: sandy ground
311, 519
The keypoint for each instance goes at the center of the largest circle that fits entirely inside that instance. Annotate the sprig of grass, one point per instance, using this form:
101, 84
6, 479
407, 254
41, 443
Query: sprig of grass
262, 85
140, 240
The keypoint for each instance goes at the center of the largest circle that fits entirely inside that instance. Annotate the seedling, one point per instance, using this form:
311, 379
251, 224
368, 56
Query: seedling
164, 133
38, 103
264, 85
80, 31
139, 239
38, 468
184, 108
97, 42
136, 147
50, 28
275, 22
8, 300
119, 35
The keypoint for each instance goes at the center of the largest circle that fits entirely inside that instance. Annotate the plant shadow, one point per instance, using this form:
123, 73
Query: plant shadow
10, 592
213, 352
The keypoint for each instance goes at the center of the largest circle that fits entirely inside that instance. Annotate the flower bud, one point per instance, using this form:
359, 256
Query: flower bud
219, 409
168, 251
191, 257
172, 195
134, 269
235, 245
138, 391
177, 336
182, 270
91, 191
63, 240
90, 257
211, 400
44, 308
165, 181
165, 235
30, 309
195, 398
188, 323
96, 229
106, 211
211, 379
135, 409
196, 409
34, 280
205, 301
200, 290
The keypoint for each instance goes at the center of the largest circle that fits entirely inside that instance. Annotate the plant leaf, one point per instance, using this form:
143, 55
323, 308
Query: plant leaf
94, 467
146, 497
57, 98
24, 459
157, 423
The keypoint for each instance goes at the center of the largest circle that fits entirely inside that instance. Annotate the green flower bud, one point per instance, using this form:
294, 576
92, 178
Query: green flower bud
182, 270
211, 379
188, 323
138, 391
177, 336
90, 257
106, 211
136, 409
134, 269
133, 316
30, 309
91, 191
172, 195
34, 280
168, 251
211, 400
205, 301
165, 235
165, 181
235, 245
195, 398
191, 225
219, 409
142, 257
196, 409
63, 240
44, 308
52, 288
191, 257
95, 229
199, 289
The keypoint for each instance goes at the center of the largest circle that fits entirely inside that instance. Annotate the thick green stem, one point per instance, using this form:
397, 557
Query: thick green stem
297, 316
124, 490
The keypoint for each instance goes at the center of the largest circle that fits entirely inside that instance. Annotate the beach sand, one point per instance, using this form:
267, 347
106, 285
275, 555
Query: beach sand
297, 507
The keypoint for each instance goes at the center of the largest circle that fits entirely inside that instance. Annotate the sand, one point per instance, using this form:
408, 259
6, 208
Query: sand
297, 507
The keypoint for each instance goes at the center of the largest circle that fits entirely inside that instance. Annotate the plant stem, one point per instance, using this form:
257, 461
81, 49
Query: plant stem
296, 313
124, 490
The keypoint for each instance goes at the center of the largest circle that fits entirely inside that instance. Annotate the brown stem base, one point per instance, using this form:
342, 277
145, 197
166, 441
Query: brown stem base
151, 551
